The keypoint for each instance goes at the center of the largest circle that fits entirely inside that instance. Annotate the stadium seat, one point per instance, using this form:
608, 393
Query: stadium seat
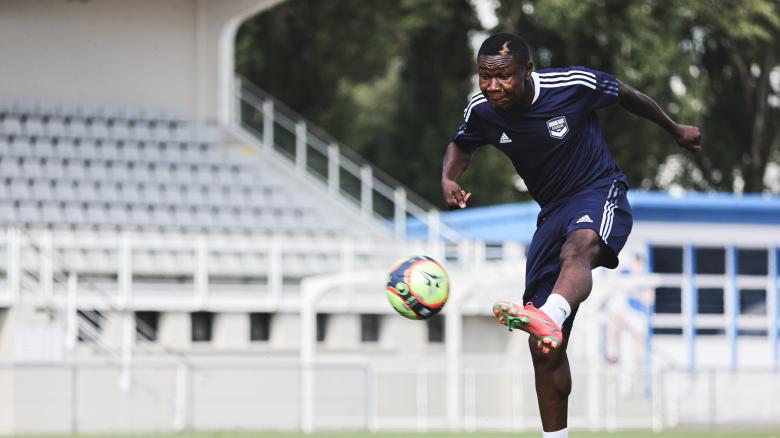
11, 125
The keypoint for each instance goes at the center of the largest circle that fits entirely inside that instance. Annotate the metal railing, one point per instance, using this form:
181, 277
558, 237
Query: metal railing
344, 173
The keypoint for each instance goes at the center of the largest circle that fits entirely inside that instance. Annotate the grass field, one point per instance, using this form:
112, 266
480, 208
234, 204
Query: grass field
574, 434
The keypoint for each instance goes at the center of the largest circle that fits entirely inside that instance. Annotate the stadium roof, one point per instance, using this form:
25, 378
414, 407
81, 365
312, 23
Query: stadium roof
517, 221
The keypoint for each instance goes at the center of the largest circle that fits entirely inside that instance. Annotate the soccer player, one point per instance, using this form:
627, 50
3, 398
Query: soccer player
546, 123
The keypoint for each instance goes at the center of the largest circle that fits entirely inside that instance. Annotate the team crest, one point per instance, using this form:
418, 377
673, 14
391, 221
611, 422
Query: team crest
558, 127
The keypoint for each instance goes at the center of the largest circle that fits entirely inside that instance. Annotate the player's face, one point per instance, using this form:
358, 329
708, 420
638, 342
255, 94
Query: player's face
502, 81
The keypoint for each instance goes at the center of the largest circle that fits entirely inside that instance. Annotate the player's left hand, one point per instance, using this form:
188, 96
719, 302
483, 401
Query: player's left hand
688, 137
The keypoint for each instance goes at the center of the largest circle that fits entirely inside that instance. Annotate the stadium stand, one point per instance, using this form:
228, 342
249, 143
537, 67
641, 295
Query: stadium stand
120, 167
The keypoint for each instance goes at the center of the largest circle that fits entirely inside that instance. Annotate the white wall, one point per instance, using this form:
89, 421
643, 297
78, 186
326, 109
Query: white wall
146, 53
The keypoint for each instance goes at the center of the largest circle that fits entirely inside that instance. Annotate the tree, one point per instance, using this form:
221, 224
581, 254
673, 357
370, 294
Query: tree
705, 67
737, 54
390, 81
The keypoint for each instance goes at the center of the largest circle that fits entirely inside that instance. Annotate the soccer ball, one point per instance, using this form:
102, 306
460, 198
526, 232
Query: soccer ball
417, 287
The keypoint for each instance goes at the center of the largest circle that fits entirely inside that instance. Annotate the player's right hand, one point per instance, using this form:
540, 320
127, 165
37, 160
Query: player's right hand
454, 195
688, 137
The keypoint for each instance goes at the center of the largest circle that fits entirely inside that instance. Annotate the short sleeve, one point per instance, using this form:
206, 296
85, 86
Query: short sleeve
601, 88
468, 135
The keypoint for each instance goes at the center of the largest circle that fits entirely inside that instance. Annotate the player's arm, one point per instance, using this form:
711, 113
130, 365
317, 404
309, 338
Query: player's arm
634, 101
456, 161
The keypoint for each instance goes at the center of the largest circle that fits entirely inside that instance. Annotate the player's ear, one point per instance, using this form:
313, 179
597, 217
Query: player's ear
528, 69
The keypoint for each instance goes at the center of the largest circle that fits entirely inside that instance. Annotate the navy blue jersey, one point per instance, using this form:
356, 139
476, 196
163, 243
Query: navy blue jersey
556, 144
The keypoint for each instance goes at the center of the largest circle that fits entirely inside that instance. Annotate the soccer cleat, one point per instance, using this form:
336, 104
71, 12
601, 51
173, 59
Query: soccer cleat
532, 320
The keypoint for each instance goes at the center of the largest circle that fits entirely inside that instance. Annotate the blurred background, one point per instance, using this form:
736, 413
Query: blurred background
200, 201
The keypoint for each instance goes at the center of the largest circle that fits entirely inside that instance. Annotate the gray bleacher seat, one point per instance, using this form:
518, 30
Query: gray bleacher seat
160, 216
161, 133
55, 127
121, 171
65, 190
74, 213
32, 167
33, 126
86, 150
6, 147
64, 149
42, 190
52, 212
75, 169
29, 212
9, 167
99, 170
128, 193
96, 212
7, 212
161, 172
20, 189
139, 215
53, 169
141, 132
106, 191
119, 130
98, 129
11, 125
43, 148
141, 173
116, 214
86, 191
77, 128
20, 147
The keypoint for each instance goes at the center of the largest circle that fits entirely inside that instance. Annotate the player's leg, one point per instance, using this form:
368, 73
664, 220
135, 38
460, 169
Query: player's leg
579, 256
553, 385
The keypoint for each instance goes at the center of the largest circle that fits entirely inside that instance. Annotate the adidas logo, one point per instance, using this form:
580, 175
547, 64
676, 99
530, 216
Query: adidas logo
504, 138
585, 218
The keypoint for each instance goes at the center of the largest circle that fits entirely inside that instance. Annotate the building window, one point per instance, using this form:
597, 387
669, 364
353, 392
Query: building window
666, 259
752, 261
710, 260
259, 326
146, 324
322, 326
370, 324
752, 302
201, 326
668, 300
90, 326
710, 301
436, 329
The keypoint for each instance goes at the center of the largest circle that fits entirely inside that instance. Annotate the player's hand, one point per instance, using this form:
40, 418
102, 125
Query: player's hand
688, 137
454, 195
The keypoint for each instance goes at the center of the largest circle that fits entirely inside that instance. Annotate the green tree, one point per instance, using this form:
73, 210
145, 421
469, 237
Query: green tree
703, 66
389, 81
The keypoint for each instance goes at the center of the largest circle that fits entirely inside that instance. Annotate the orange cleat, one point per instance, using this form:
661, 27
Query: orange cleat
532, 320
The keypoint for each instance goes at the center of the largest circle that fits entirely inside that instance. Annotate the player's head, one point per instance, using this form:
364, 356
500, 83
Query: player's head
504, 66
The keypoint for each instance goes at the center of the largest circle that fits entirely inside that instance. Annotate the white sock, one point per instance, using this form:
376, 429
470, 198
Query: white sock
563, 433
557, 308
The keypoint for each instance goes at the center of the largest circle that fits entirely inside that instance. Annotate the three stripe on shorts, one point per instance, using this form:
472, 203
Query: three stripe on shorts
609, 211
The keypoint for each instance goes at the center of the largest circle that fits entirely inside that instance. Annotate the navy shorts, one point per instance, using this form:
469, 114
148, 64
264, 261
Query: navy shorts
603, 209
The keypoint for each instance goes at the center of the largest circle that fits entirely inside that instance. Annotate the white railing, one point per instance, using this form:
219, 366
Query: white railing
126, 270
344, 173
389, 396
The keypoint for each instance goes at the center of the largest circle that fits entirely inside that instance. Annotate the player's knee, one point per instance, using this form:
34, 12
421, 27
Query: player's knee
581, 247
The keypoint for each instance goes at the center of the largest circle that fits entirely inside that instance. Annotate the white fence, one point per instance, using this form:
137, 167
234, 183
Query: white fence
250, 395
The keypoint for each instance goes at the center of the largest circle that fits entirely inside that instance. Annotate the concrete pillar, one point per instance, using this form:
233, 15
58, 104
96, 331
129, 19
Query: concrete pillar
285, 330
231, 331
343, 332
174, 330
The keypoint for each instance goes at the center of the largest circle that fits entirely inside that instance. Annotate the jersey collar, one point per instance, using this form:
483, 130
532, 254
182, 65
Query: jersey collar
535, 78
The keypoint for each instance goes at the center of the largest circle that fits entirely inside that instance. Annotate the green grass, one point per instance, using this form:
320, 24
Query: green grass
574, 434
